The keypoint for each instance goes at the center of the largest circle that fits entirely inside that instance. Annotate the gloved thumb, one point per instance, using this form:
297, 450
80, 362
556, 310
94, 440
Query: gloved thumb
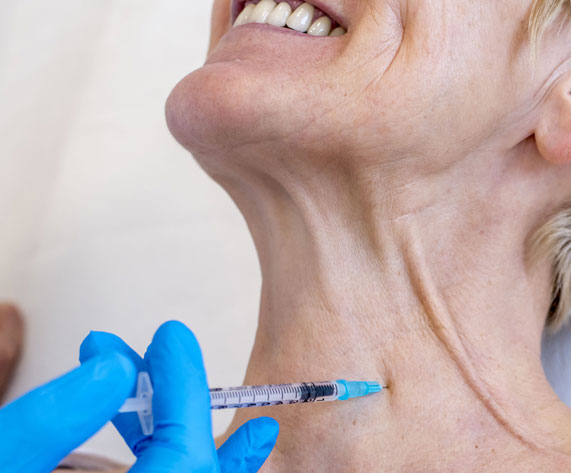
249, 447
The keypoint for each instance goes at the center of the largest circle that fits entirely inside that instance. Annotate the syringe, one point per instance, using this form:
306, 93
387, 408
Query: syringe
255, 396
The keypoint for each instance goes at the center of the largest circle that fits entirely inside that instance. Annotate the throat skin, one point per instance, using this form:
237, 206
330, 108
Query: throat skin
416, 281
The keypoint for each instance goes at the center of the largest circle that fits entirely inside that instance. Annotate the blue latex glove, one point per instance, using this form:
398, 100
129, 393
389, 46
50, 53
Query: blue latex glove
42, 427
182, 440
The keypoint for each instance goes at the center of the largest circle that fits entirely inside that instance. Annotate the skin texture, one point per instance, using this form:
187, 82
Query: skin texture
391, 179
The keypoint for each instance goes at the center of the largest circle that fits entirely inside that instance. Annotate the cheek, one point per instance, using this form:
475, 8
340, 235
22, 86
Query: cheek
220, 22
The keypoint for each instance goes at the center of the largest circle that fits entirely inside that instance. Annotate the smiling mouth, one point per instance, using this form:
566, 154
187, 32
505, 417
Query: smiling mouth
293, 14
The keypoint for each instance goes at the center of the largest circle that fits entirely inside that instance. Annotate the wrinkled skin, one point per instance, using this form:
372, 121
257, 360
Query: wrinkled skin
391, 179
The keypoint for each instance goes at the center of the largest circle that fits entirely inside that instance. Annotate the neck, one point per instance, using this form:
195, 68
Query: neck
422, 284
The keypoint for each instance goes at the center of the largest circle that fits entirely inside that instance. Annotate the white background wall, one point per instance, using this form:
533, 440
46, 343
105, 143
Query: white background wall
106, 223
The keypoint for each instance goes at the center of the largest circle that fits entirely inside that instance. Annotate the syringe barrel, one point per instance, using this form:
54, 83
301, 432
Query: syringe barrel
254, 396
273, 394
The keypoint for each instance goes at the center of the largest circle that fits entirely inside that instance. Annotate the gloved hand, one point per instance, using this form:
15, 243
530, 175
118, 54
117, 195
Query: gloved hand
42, 427
182, 440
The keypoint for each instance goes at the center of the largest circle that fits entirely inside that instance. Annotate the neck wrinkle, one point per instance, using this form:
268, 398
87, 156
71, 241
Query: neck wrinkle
347, 280
443, 327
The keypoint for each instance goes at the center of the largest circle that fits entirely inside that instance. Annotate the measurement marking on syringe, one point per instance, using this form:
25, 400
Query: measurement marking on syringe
249, 396
268, 395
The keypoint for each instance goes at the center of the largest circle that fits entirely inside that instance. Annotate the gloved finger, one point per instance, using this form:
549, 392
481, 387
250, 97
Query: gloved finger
249, 447
97, 343
127, 424
45, 425
183, 439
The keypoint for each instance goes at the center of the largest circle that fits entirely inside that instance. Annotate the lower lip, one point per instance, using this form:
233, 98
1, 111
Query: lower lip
280, 30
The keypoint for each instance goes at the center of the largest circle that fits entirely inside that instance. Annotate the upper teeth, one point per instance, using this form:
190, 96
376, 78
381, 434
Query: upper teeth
267, 11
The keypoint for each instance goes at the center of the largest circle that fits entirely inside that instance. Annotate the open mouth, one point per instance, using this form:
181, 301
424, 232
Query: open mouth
293, 14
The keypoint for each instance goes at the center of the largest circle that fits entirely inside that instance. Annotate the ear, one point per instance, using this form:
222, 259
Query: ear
553, 133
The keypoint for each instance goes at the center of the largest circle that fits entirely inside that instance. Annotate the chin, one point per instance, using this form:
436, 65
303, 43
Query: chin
208, 108
221, 106
246, 95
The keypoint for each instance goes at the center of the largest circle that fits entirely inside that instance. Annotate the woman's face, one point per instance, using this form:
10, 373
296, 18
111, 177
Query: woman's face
410, 78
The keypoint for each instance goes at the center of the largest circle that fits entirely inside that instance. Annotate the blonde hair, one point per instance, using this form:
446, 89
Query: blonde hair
543, 14
552, 241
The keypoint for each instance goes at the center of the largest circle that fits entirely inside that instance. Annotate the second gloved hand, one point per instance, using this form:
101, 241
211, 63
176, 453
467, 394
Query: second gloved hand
182, 440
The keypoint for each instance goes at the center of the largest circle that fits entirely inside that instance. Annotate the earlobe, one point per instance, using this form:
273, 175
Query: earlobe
553, 133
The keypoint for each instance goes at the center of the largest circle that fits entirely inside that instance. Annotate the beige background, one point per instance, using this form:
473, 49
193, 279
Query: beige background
106, 223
